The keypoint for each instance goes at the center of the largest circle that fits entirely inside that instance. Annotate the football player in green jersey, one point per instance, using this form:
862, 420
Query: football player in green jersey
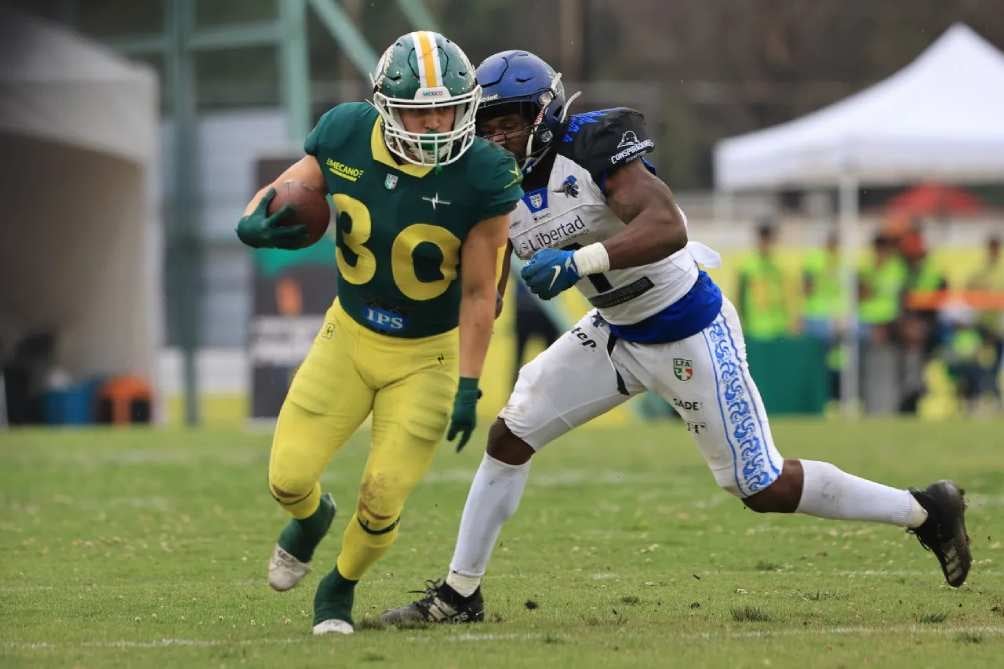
421, 208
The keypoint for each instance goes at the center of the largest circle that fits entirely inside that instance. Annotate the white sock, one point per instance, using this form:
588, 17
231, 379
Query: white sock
828, 492
494, 495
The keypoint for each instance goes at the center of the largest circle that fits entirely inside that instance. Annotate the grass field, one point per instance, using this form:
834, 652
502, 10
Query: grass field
148, 548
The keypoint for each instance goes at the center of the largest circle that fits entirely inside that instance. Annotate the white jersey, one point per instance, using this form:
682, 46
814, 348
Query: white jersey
662, 327
571, 211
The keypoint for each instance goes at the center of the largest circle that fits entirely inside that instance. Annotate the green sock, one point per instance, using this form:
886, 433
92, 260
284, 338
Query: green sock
333, 599
301, 535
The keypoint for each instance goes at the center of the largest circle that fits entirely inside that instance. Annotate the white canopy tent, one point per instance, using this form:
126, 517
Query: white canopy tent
80, 239
939, 118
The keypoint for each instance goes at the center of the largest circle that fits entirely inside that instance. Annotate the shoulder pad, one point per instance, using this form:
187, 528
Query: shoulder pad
603, 140
494, 173
350, 119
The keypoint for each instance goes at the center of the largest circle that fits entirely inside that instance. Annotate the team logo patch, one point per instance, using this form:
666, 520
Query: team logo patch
536, 200
630, 146
627, 139
683, 369
516, 173
569, 186
328, 331
435, 201
390, 183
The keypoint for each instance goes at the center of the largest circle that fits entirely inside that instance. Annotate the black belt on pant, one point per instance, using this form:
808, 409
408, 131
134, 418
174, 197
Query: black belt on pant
611, 342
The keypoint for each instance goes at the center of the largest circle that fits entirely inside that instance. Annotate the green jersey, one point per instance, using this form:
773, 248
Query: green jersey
400, 227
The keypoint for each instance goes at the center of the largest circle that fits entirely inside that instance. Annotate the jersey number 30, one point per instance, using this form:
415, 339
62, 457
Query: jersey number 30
402, 263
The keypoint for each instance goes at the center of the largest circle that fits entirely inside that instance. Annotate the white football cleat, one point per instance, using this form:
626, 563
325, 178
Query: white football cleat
333, 626
284, 570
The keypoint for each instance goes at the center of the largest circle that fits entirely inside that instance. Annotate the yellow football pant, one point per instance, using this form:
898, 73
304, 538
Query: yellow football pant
408, 384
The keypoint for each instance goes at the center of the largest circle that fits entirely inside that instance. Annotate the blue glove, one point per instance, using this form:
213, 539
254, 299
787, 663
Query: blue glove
549, 272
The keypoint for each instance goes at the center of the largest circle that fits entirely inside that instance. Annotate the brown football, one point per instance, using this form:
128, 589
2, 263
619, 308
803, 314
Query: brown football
310, 207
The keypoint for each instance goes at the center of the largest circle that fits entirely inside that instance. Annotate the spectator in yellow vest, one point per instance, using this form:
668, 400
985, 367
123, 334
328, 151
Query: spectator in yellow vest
763, 302
918, 332
824, 305
923, 276
881, 283
991, 275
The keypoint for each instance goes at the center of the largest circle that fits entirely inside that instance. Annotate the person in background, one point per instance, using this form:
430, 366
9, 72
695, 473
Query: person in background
763, 302
880, 284
918, 329
990, 324
824, 304
881, 281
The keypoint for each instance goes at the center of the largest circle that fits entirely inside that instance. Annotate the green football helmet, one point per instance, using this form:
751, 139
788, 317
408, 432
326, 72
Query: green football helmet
420, 70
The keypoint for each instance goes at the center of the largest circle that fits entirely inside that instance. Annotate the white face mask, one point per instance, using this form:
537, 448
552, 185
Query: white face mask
429, 148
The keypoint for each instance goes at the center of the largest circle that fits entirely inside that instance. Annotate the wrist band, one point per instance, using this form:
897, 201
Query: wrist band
592, 259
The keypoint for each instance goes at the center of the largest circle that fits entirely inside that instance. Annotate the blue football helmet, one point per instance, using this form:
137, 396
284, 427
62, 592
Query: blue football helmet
522, 79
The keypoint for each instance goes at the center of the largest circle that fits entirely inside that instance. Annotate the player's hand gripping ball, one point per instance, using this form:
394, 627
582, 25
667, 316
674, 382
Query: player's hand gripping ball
309, 206
293, 217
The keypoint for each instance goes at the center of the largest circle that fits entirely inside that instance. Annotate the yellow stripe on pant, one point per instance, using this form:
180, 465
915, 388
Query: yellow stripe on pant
408, 384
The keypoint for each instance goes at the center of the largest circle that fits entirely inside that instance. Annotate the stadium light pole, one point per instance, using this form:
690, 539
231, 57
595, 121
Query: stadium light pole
295, 65
185, 235
340, 26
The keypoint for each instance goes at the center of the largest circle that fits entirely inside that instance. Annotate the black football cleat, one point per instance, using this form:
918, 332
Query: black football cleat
441, 604
944, 531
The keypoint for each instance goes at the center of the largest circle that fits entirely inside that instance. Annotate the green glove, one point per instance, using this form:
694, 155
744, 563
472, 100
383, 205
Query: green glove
259, 230
464, 417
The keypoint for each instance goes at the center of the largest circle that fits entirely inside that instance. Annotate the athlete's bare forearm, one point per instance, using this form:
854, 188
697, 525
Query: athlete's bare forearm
306, 171
503, 278
479, 291
477, 313
656, 227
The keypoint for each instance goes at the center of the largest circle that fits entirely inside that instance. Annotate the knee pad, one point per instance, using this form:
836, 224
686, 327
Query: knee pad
290, 493
381, 499
376, 528
376, 523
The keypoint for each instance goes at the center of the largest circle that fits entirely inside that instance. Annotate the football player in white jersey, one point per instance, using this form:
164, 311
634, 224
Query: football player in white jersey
596, 217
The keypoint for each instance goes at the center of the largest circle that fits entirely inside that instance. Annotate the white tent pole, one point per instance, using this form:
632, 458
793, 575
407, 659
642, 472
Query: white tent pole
849, 381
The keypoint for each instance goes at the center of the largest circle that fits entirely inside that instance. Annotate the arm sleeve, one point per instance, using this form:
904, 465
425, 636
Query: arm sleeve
603, 141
